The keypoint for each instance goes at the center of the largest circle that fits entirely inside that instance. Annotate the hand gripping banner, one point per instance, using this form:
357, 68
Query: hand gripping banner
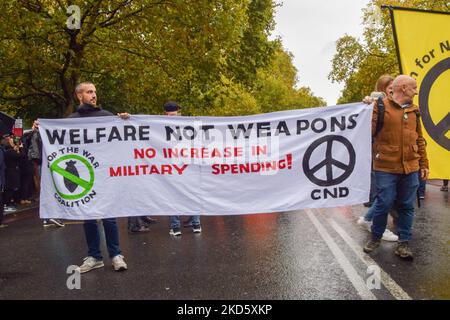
160, 165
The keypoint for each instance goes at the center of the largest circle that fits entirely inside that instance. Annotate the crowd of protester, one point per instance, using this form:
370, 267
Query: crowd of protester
19, 170
20, 163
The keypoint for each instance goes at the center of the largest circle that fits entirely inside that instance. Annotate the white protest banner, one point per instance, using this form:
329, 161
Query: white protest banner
159, 165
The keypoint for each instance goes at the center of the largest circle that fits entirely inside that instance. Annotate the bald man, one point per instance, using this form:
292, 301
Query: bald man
86, 94
404, 90
399, 158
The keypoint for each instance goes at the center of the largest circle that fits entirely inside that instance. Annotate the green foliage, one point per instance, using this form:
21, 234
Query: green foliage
275, 87
255, 51
213, 56
359, 63
230, 99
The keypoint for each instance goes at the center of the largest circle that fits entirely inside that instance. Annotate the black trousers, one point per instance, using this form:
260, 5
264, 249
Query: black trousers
2, 208
26, 186
11, 197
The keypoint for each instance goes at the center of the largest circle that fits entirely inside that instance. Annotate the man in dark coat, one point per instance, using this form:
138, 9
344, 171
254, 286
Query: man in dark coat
87, 96
2, 182
12, 153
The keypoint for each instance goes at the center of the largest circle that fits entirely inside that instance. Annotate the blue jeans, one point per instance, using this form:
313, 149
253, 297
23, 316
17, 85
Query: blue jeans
93, 237
399, 189
373, 187
373, 194
370, 213
175, 221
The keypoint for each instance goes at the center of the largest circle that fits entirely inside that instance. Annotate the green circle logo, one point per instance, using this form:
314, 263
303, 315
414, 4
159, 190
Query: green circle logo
71, 178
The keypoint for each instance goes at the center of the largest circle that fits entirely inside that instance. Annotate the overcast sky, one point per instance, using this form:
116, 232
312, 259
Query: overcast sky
309, 29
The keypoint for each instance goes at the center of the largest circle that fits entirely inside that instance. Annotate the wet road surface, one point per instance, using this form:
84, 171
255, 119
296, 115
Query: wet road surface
310, 254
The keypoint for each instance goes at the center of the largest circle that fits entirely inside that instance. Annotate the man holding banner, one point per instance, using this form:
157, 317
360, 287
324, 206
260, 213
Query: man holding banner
400, 154
87, 95
172, 108
205, 166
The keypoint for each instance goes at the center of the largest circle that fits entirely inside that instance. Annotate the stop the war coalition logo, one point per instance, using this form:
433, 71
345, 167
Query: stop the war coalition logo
73, 174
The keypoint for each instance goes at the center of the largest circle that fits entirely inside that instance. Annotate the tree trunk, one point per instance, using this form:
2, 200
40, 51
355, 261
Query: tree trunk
68, 108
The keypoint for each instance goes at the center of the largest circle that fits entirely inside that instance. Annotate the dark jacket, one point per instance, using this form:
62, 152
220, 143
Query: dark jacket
88, 110
12, 173
35, 147
2, 168
25, 165
399, 147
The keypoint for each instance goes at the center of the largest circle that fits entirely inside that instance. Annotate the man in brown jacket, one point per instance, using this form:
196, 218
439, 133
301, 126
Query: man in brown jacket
399, 158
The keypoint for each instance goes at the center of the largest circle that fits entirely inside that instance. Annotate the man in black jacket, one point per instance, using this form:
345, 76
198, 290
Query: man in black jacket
12, 153
87, 96
2, 183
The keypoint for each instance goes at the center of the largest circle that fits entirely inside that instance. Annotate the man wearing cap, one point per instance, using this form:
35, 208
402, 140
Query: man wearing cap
173, 109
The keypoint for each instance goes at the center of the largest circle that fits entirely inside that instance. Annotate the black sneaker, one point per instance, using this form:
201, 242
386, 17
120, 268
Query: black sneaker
371, 245
403, 251
53, 223
46, 223
141, 229
57, 222
10, 209
149, 220
197, 228
175, 232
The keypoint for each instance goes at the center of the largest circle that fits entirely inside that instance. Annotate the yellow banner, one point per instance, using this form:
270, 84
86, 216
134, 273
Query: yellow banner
423, 41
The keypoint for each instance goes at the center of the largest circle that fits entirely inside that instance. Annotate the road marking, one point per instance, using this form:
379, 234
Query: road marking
352, 275
387, 281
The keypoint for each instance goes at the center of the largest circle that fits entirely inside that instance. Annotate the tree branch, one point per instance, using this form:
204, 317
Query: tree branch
53, 96
109, 21
36, 7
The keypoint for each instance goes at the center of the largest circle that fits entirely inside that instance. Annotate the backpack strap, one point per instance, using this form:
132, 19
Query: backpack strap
418, 115
380, 119
418, 124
